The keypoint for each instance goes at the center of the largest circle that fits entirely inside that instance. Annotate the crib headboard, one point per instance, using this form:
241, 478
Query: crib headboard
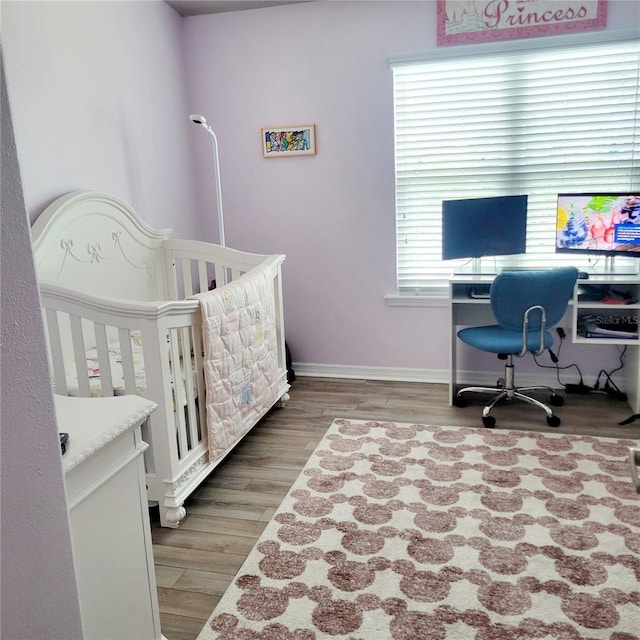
95, 243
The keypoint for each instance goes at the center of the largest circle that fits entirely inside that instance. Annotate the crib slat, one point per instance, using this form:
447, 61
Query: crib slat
126, 355
104, 362
198, 366
186, 278
80, 356
221, 275
171, 276
178, 394
202, 277
55, 350
187, 350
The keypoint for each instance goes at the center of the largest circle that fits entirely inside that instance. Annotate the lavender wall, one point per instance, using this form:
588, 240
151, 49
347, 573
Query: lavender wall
35, 544
332, 214
99, 104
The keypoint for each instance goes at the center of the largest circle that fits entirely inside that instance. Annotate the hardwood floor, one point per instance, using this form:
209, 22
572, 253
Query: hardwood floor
226, 515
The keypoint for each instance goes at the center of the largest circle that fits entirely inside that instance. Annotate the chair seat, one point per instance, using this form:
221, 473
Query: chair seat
495, 339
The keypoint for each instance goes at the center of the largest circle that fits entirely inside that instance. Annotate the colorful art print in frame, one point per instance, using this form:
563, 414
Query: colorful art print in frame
469, 21
281, 142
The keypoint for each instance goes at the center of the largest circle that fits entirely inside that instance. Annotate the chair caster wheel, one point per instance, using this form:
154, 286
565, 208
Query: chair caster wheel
553, 421
459, 402
489, 421
556, 400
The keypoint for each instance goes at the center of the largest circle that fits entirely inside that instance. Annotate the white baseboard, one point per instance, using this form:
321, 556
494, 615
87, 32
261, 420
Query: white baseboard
353, 372
438, 376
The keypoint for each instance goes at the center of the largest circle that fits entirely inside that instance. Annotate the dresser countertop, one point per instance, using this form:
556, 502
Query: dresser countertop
94, 422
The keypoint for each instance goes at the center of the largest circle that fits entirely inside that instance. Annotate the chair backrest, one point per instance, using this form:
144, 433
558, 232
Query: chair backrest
513, 292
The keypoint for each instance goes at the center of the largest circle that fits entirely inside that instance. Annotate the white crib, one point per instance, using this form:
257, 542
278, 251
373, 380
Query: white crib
118, 321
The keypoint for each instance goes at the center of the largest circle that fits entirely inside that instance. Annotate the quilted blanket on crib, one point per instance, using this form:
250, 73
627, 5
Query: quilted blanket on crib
240, 357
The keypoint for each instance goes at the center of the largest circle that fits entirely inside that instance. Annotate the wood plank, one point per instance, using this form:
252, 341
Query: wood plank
190, 604
198, 559
208, 582
224, 526
222, 542
178, 627
214, 509
167, 576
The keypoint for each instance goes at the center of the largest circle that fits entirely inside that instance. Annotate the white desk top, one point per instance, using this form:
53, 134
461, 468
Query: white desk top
594, 278
94, 422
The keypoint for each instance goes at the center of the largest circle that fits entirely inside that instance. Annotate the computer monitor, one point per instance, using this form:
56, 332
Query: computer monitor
604, 223
479, 227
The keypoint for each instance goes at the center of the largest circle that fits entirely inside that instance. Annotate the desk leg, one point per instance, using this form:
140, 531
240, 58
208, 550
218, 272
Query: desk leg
632, 377
453, 363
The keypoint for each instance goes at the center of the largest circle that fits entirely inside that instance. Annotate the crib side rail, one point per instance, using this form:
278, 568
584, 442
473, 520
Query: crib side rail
106, 347
195, 267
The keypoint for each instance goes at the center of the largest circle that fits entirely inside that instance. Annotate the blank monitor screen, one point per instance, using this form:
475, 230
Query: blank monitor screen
477, 227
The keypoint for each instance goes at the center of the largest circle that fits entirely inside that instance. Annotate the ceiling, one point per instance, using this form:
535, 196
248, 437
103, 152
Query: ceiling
202, 7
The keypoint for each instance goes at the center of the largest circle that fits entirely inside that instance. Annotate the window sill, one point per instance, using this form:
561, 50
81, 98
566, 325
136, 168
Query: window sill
435, 296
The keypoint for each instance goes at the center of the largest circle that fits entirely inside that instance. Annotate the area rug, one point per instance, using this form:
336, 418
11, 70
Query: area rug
415, 532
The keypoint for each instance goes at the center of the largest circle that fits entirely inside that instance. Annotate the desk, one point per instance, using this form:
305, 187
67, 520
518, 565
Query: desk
467, 311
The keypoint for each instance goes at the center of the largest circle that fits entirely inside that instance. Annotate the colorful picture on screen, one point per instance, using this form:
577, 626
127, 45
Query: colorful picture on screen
608, 223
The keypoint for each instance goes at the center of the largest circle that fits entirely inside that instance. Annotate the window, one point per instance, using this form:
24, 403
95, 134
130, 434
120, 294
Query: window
499, 121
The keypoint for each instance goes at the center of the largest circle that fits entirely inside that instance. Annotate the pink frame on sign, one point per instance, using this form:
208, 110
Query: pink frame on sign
470, 21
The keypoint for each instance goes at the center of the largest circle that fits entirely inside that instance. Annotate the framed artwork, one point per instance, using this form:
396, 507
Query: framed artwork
470, 21
281, 142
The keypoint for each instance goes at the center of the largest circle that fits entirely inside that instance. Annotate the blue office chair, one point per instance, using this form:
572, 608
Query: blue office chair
526, 305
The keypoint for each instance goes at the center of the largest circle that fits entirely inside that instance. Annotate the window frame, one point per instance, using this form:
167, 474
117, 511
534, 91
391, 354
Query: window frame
434, 287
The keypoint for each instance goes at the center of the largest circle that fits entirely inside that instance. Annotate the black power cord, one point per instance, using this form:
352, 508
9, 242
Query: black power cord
555, 358
610, 386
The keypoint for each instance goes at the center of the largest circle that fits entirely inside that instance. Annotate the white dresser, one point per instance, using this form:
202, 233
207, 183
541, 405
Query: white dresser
109, 516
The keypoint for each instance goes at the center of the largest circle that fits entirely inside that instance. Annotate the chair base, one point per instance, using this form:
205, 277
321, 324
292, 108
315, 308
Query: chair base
508, 391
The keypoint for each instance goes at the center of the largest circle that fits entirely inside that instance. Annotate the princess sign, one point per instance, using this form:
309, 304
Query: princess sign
468, 21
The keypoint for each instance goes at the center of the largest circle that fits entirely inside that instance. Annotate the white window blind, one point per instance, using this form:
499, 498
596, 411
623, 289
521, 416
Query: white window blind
537, 122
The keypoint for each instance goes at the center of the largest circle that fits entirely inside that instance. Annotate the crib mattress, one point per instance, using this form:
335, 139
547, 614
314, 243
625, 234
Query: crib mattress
117, 371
